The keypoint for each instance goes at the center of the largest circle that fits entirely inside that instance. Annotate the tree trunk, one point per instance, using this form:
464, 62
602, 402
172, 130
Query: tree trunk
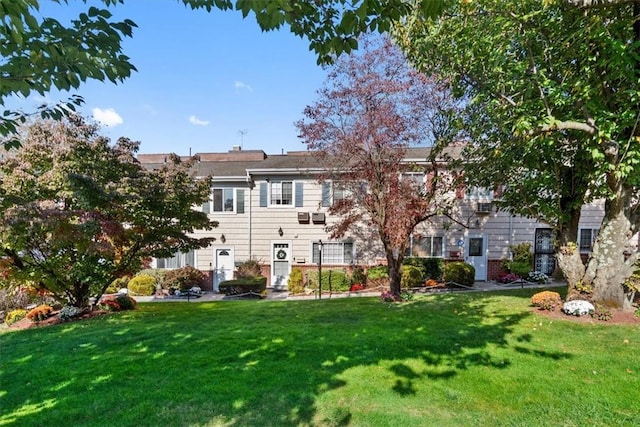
570, 263
395, 271
611, 261
567, 253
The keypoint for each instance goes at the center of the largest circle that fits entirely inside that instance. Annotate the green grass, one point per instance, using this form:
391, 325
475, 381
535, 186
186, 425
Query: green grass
446, 360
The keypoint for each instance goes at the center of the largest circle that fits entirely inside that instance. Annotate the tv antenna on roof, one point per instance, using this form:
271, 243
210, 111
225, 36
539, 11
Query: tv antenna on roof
242, 133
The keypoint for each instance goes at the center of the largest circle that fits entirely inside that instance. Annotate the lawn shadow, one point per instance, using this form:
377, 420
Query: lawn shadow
242, 363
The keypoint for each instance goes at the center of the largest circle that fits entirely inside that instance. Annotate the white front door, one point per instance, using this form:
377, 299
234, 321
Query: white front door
280, 265
476, 254
223, 266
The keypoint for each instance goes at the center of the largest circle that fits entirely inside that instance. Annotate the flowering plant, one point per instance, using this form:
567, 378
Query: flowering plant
387, 296
509, 278
432, 282
356, 287
546, 300
601, 313
537, 276
68, 312
40, 313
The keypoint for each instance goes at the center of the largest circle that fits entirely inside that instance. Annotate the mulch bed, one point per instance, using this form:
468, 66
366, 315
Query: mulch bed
619, 317
54, 320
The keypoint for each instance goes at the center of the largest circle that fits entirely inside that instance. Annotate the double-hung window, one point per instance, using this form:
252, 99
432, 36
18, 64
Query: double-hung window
426, 246
333, 252
222, 200
479, 193
178, 260
282, 193
586, 239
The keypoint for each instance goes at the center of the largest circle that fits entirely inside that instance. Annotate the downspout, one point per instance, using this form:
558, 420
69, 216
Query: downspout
250, 184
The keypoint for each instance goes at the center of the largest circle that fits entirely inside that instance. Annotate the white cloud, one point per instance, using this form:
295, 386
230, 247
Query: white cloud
149, 109
196, 121
241, 85
107, 117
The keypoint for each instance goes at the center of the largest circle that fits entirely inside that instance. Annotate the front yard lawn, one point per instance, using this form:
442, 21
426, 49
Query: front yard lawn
440, 360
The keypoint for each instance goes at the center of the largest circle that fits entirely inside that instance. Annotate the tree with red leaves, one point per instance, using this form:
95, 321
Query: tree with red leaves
373, 107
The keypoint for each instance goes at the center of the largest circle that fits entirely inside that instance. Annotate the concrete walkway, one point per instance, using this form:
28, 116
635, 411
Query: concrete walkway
275, 295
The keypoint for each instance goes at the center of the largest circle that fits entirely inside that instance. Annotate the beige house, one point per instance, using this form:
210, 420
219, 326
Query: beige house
271, 208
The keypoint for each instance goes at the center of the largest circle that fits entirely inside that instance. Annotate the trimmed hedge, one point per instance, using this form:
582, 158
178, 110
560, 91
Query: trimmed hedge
411, 276
245, 285
143, 285
460, 272
431, 268
336, 280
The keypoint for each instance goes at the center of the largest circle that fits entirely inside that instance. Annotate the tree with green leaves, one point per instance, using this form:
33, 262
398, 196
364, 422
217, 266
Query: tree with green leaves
554, 117
79, 212
39, 54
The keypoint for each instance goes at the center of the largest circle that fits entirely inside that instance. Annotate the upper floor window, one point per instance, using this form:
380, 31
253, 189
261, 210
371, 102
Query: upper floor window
586, 239
282, 193
426, 246
333, 192
415, 178
333, 252
179, 260
479, 193
222, 200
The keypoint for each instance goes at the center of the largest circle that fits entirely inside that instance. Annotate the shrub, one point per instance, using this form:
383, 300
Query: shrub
13, 298
415, 263
69, 312
117, 303
249, 268
601, 312
431, 282
255, 285
431, 268
460, 273
156, 273
387, 296
109, 305
334, 280
537, 277
296, 281
546, 300
126, 302
117, 284
356, 287
521, 253
183, 278
378, 272
411, 276
15, 315
358, 276
509, 278
521, 260
522, 269
142, 285
378, 276
40, 313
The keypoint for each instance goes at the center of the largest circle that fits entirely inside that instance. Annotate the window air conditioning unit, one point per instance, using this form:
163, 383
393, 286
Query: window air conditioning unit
303, 217
317, 217
483, 208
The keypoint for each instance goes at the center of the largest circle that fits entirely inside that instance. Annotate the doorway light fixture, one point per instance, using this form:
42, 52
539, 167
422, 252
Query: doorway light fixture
280, 232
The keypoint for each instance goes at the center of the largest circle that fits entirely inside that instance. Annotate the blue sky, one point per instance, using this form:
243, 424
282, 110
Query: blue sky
203, 80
